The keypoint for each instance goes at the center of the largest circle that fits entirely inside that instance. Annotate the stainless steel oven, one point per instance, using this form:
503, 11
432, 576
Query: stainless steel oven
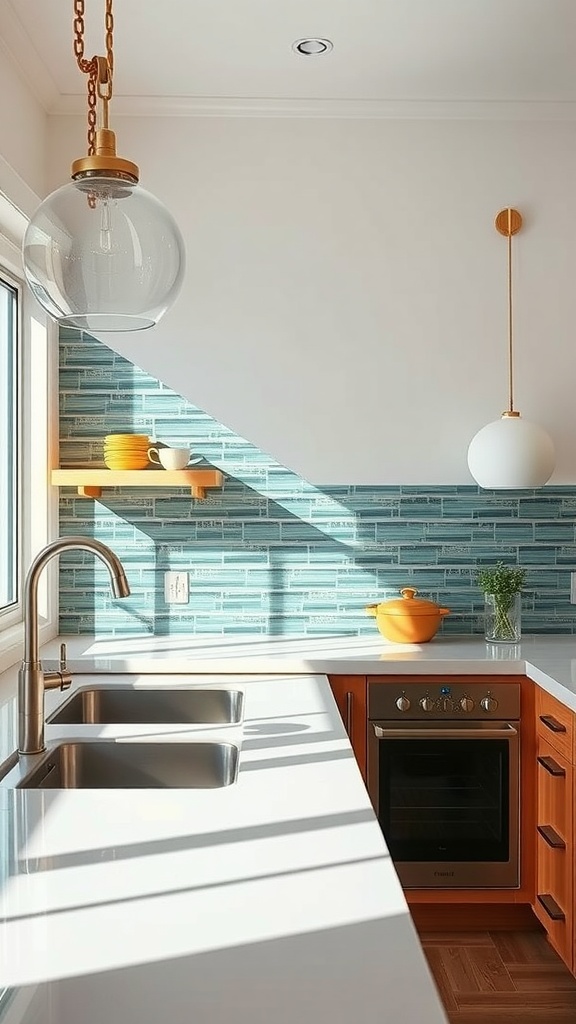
443, 776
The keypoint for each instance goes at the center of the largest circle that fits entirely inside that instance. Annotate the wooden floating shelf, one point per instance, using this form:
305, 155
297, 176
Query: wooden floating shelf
90, 482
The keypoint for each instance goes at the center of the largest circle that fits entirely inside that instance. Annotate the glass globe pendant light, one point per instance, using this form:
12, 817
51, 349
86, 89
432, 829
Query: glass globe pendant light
101, 253
510, 452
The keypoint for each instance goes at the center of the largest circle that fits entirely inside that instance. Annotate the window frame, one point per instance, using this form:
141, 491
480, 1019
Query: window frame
9, 614
38, 442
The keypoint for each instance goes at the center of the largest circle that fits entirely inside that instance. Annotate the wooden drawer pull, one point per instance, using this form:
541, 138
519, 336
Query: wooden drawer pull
551, 907
550, 836
552, 723
551, 766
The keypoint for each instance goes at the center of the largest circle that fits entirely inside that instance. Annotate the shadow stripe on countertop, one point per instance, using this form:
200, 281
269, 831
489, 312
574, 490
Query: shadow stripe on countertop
174, 844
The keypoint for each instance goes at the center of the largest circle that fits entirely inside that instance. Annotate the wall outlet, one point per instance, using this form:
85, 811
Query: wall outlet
573, 588
176, 587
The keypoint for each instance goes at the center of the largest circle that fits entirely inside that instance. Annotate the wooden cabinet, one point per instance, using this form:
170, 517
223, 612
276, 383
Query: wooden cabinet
555, 848
350, 696
555, 860
547, 818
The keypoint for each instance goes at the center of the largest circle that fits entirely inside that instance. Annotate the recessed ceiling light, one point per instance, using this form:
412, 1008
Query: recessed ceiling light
312, 47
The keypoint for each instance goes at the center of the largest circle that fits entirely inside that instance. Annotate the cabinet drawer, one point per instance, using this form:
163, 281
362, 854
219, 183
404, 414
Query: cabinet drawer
554, 896
555, 723
554, 781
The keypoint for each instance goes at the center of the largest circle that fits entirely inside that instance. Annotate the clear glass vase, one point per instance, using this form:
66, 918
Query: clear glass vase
502, 618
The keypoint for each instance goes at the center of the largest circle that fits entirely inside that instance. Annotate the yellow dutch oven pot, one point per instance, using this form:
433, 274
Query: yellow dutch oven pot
409, 619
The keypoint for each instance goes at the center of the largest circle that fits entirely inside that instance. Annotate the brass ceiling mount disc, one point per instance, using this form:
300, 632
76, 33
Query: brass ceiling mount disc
508, 222
105, 166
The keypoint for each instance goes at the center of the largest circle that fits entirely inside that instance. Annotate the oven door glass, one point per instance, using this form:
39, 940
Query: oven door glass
445, 799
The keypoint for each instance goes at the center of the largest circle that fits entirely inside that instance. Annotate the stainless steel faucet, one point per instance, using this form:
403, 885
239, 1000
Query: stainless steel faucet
32, 679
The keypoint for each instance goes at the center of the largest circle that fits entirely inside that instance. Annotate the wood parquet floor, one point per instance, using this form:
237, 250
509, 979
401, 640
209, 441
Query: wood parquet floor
500, 978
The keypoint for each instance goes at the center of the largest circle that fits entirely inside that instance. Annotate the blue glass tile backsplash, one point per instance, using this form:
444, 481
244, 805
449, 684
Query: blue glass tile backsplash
270, 553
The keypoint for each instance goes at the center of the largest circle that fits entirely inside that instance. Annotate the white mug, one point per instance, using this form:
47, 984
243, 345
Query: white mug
169, 458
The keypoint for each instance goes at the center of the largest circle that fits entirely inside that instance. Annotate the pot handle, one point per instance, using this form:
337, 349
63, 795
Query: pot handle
444, 611
371, 609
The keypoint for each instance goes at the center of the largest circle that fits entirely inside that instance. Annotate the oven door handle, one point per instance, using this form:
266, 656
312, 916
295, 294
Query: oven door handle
438, 733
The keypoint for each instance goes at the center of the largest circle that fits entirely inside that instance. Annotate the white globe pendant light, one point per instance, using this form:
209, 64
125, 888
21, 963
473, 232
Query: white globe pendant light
511, 452
101, 253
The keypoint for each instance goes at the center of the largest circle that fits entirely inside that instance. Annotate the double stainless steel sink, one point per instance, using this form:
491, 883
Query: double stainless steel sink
137, 762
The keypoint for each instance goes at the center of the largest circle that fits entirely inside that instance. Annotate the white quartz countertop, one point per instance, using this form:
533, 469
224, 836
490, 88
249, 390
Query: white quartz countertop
271, 899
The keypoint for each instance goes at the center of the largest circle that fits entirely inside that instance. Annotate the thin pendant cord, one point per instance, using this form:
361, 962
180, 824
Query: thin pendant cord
510, 321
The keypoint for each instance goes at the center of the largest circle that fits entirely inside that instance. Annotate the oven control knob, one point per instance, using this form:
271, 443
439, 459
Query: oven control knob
467, 704
447, 704
403, 703
488, 703
427, 703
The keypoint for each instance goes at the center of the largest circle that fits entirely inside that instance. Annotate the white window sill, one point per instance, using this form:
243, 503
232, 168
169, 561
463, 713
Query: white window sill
12, 642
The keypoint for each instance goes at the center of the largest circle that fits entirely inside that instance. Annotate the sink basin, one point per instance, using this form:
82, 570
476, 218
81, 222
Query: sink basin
139, 765
119, 705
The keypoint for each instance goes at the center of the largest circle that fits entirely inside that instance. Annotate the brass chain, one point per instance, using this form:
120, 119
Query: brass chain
110, 39
99, 71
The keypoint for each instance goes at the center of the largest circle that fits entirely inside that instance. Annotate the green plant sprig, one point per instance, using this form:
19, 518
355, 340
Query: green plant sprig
502, 580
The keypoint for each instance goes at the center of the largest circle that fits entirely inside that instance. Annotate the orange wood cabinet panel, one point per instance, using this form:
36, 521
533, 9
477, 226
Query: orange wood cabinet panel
555, 825
555, 848
554, 790
350, 696
555, 722
554, 898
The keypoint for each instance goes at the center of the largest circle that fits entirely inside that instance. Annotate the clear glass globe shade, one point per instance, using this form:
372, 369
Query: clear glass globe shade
511, 453
102, 254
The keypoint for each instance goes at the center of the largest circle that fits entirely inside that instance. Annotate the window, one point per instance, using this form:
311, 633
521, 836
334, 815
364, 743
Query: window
28, 443
9, 445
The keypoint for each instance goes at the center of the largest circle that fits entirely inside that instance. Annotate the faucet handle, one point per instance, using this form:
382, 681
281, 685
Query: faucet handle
64, 671
62, 678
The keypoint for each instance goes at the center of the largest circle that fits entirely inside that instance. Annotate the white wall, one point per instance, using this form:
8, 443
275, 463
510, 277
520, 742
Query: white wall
23, 124
344, 306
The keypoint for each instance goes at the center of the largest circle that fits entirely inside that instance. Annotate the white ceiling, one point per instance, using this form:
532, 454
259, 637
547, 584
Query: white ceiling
384, 50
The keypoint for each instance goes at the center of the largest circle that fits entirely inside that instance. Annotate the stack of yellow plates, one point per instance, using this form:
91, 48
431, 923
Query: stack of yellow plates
126, 451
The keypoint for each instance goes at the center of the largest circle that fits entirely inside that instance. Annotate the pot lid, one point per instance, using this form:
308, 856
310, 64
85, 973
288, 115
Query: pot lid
409, 604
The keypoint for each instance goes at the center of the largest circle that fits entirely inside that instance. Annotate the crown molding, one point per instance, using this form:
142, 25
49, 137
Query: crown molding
188, 106
33, 69
29, 63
